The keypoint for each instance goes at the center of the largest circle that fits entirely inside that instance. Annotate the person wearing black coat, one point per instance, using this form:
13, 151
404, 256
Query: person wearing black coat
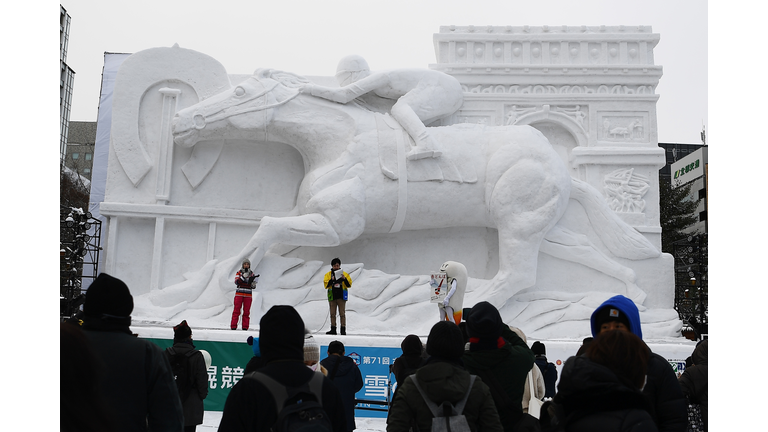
600, 390
410, 361
343, 371
138, 384
443, 379
548, 369
250, 406
197, 373
667, 404
694, 380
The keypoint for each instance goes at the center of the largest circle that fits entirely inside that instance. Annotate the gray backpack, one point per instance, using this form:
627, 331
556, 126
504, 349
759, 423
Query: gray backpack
446, 417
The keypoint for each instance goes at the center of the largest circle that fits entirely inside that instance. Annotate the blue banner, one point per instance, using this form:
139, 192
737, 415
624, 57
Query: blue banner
378, 383
228, 360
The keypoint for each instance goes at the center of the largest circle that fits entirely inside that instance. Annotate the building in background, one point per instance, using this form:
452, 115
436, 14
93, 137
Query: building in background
687, 163
81, 142
66, 81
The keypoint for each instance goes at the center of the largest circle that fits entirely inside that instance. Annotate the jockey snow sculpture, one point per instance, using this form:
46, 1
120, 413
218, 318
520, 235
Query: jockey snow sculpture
451, 307
422, 96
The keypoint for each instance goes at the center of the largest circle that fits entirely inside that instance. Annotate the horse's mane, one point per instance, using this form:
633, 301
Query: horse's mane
287, 79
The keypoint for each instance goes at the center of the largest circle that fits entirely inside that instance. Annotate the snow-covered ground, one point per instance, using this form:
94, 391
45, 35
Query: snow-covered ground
211, 421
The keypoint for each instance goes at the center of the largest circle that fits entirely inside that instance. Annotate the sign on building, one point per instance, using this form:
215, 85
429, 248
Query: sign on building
688, 168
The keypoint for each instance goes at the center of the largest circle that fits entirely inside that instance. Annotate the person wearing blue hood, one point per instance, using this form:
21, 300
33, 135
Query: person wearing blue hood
668, 406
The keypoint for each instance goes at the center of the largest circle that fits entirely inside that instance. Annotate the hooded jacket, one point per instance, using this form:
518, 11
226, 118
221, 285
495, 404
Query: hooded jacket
666, 402
138, 384
193, 405
508, 366
411, 360
348, 380
250, 405
442, 381
594, 399
694, 380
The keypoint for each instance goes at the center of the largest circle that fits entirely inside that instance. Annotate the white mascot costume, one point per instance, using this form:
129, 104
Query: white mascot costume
451, 307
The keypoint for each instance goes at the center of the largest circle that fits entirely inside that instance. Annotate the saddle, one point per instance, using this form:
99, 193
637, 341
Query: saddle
394, 143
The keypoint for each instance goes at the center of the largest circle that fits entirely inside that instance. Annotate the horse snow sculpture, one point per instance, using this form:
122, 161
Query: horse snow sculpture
359, 181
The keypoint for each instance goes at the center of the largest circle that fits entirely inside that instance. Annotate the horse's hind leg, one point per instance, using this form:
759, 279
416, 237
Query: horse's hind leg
526, 202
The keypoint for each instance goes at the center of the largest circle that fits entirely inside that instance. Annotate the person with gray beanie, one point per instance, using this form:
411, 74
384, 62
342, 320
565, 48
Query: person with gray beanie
443, 378
250, 405
138, 383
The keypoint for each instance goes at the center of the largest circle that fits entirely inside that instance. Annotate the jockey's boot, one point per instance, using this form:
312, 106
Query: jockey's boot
343, 330
332, 331
424, 148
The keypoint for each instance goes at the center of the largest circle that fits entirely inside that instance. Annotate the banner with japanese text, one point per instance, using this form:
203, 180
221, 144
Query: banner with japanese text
228, 361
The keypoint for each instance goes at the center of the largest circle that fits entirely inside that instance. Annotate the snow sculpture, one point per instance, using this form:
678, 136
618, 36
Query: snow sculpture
421, 95
208, 168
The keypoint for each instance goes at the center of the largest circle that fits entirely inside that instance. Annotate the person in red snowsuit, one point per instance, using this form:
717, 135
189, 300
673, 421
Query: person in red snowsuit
245, 280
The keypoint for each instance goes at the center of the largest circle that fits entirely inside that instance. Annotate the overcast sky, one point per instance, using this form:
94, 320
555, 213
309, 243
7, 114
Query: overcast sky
309, 37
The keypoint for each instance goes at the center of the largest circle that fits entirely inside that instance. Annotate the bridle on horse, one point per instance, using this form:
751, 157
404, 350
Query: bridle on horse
232, 110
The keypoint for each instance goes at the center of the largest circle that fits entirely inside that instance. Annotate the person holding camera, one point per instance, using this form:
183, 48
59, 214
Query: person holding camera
336, 283
245, 281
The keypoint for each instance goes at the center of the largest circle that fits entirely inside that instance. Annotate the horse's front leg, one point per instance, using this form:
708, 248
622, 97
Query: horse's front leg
333, 216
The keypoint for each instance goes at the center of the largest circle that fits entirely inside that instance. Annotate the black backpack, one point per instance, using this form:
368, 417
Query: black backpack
181, 372
300, 408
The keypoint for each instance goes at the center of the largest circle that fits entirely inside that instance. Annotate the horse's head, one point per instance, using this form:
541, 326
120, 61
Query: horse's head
239, 111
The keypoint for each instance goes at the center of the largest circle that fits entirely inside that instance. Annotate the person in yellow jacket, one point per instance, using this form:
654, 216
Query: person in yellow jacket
336, 283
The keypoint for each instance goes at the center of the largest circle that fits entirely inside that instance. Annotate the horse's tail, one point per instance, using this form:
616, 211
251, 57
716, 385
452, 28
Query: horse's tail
620, 238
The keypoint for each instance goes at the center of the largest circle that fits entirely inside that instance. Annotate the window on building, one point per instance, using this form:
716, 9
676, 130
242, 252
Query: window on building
702, 193
88, 156
75, 155
87, 171
702, 216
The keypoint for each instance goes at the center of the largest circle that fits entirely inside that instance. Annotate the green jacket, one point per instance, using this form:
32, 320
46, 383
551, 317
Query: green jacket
442, 381
509, 366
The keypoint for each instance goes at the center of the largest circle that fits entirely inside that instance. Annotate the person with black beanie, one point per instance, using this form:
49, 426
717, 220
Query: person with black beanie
411, 360
250, 405
443, 378
196, 382
138, 383
547, 368
502, 359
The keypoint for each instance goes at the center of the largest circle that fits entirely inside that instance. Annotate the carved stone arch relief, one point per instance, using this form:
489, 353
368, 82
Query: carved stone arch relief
562, 140
562, 131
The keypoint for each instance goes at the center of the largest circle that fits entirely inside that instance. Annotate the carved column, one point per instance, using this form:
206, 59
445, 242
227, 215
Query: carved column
163, 185
165, 155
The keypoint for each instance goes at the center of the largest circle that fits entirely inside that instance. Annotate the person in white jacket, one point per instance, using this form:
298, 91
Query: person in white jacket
535, 372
